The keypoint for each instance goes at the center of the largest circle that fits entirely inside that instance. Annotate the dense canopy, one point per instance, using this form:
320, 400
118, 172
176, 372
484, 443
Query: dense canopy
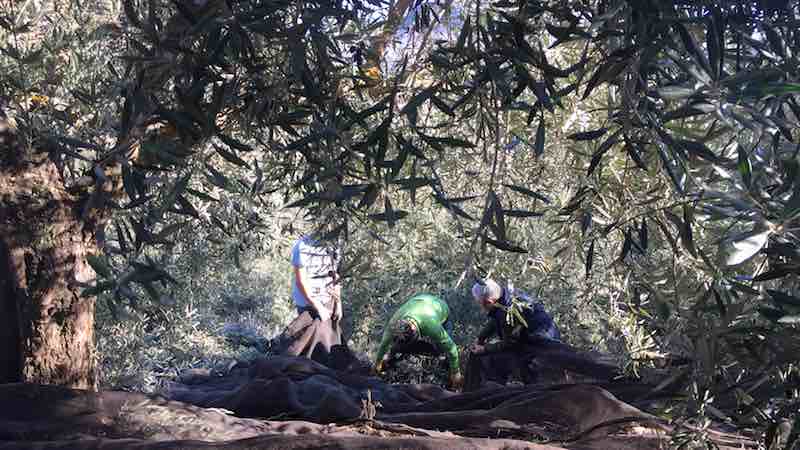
632, 162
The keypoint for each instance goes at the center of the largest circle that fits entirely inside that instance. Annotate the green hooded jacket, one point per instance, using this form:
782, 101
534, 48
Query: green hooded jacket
429, 312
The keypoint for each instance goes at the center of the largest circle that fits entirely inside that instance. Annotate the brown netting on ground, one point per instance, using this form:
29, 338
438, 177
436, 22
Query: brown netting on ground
282, 442
296, 403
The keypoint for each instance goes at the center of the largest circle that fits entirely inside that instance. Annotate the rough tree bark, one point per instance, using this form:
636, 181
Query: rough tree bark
46, 233
46, 328
10, 360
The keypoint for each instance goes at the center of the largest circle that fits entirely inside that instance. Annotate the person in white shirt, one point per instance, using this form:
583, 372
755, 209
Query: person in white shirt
315, 282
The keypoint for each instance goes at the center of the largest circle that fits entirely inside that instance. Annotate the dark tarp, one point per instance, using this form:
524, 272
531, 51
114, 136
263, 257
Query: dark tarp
308, 398
528, 362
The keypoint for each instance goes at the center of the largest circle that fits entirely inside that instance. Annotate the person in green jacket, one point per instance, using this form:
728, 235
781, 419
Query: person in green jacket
418, 327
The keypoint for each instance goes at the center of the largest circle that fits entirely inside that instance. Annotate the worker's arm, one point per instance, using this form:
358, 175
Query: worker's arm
383, 349
488, 330
335, 291
446, 345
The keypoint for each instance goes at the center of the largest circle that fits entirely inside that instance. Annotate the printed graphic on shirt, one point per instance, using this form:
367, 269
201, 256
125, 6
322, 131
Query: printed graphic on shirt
320, 265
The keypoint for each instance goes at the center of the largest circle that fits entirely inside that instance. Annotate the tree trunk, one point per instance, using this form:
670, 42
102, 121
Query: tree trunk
47, 328
10, 360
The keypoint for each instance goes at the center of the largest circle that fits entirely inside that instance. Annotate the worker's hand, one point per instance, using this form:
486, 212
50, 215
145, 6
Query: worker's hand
477, 349
337, 310
456, 381
323, 313
334, 291
379, 367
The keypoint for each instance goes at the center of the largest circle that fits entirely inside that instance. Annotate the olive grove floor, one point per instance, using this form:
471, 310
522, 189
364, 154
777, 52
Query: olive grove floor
295, 403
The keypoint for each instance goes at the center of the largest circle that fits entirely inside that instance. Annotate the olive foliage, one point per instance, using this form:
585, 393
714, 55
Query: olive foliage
683, 185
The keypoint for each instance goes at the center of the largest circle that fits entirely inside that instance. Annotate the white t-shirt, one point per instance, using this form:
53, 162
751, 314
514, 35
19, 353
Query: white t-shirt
320, 263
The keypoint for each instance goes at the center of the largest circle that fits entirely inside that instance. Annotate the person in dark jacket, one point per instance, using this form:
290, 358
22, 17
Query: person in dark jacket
521, 323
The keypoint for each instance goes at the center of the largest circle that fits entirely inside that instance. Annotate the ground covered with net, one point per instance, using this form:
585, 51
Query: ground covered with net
284, 402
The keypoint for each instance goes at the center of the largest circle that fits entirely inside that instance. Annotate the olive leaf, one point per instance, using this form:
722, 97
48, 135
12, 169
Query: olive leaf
740, 248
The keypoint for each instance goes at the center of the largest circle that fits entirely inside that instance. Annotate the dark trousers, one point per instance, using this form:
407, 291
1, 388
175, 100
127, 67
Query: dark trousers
498, 367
